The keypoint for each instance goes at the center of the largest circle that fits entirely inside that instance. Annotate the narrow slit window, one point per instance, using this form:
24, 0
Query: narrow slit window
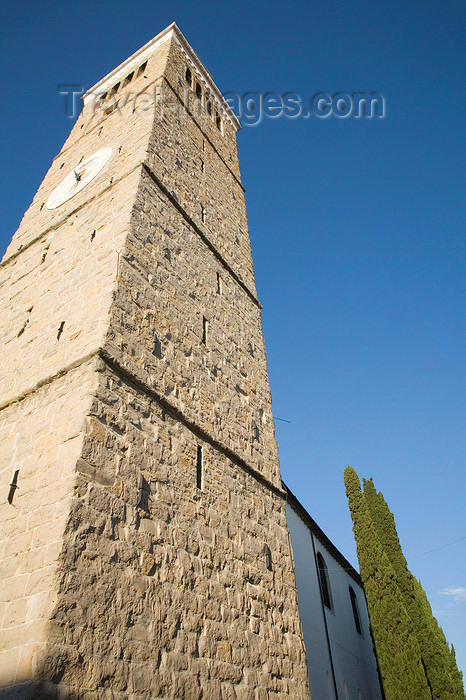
204, 330
355, 609
198, 92
13, 487
199, 467
219, 283
143, 493
189, 77
25, 324
268, 557
157, 348
203, 214
324, 582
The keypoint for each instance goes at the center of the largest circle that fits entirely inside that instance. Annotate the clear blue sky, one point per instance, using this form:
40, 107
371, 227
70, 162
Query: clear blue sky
356, 226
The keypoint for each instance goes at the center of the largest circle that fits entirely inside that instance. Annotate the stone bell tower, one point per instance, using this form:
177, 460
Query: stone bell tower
144, 550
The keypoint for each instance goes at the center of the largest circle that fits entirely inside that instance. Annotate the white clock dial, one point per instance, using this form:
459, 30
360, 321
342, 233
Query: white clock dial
79, 177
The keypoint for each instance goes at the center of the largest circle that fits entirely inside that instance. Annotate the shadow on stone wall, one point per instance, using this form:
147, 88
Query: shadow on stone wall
36, 691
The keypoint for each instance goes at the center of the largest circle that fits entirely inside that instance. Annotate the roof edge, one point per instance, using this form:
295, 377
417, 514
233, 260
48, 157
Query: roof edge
321, 536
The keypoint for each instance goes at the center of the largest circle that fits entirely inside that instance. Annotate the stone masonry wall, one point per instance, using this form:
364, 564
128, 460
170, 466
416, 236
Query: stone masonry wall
42, 437
66, 276
191, 157
175, 598
168, 286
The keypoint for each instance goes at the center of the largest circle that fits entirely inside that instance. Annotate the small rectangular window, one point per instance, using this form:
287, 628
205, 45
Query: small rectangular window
112, 108
128, 79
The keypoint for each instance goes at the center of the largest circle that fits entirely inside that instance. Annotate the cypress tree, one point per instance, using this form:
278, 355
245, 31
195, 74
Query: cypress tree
443, 676
457, 674
397, 648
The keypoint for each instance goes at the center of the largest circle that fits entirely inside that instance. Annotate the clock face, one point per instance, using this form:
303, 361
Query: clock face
79, 177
